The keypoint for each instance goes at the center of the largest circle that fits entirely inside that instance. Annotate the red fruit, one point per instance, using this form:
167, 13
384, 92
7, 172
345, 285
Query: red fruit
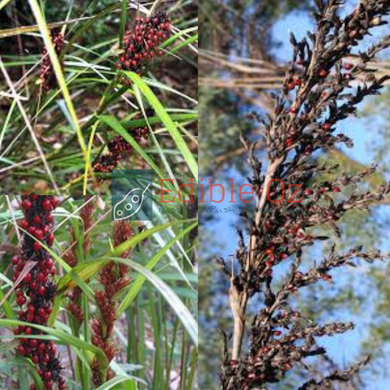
26, 204
15, 260
42, 347
31, 229
21, 350
31, 309
308, 192
28, 331
47, 205
33, 286
27, 278
33, 343
327, 126
289, 142
35, 359
47, 375
49, 385
42, 290
38, 234
348, 66
21, 301
323, 73
293, 110
37, 246
49, 263
290, 86
297, 82
24, 224
269, 263
50, 239
46, 358
336, 189
277, 332
55, 202
62, 386
45, 229
37, 219
41, 277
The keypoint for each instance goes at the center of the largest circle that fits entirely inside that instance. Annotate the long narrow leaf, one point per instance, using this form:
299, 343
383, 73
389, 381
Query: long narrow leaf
162, 113
137, 284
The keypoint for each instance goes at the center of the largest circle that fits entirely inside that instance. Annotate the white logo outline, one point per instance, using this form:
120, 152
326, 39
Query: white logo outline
120, 212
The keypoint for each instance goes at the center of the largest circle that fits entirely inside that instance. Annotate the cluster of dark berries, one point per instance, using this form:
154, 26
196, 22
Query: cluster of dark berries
35, 292
119, 148
47, 77
317, 95
141, 43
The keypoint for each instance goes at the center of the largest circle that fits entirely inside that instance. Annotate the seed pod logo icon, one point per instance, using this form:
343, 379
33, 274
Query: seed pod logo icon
131, 204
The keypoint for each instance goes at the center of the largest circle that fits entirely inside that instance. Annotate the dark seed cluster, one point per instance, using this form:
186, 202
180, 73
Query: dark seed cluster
118, 149
317, 95
47, 77
36, 287
141, 43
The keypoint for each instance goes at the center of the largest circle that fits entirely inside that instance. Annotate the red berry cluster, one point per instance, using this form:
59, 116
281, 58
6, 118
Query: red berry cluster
118, 148
140, 44
47, 77
35, 292
113, 278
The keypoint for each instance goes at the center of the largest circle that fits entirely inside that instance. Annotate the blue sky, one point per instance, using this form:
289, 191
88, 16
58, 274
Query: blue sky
344, 348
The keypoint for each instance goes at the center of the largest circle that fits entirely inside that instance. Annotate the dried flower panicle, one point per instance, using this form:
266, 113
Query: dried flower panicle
319, 91
74, 296
118, 149
86, 215
141, 42
36, 288
47, 77
113, 278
